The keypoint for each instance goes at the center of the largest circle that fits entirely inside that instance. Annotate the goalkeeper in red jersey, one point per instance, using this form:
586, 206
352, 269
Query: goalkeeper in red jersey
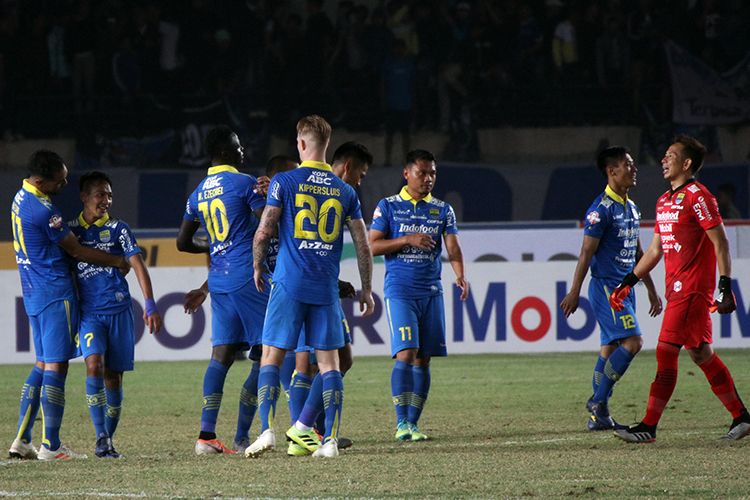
690, 235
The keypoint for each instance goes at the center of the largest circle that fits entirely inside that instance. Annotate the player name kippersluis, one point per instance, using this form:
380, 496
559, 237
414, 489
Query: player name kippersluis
316, 189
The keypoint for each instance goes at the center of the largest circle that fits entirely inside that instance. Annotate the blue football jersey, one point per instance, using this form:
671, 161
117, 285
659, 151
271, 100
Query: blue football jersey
103, 289
315, 205
224, 203
615, 222
413, 272
44, 266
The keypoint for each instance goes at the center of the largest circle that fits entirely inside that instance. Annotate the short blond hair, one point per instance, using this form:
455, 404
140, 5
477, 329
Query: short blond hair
315, 128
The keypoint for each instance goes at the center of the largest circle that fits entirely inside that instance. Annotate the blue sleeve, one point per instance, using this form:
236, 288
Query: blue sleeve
597, 220
191, 210
51, 223
381, 217
126, 238
450, 221
355, 210
275, 195
253, 199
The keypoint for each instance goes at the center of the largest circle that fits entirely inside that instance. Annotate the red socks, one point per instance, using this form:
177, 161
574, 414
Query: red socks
667, 356
722, 384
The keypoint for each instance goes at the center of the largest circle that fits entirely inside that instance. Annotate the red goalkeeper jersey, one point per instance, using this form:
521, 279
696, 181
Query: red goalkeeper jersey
682, 218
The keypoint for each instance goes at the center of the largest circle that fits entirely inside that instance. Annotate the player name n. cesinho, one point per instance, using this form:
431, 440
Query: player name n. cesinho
417, 228
668, 216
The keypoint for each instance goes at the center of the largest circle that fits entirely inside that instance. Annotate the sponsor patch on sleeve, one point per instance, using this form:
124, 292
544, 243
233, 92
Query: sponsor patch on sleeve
593, 218
377, 214
55, 222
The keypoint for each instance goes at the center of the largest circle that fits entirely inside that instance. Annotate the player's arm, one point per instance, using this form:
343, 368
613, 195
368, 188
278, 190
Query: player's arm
73, 247
194, 298
364, 262
186, 240
151, 316
266, 228
381, 245
725, 302
655, 303
456, 258
588, 248
647, 262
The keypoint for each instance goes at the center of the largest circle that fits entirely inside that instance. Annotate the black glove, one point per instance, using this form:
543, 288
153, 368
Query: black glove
725, 302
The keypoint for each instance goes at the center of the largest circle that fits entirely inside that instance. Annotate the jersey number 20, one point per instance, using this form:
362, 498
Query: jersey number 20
318, 219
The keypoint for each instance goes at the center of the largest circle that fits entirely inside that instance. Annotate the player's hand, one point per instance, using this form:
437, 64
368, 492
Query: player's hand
261, 187
656, 306
725, 302
260, 279
366, 303
153, 322
124, 266
194, 299
569, 304
464, 286
346, 290
421, 241
619, 294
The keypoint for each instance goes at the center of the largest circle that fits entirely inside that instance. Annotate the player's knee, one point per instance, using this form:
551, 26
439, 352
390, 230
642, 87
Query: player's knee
94, 366
224, 354
633, 344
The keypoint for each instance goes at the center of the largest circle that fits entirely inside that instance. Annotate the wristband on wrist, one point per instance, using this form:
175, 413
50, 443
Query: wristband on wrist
725, 283
150, 307
630, 280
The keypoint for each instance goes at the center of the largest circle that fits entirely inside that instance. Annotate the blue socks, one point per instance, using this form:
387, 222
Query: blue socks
314, 404
598, 373
114, 408
97, 402
333, 402
213, 390
421, 378
53, 407
287, 370
248, 403
268, 395
614, 368
298, 391
402, 383
30, 400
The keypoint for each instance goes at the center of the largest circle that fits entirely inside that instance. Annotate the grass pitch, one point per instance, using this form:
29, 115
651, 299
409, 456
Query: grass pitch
501, 426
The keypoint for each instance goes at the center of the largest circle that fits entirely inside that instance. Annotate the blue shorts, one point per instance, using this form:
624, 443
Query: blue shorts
613, 325
302, 342
417, 324
286, 316
237, 317
110, 335
55, 331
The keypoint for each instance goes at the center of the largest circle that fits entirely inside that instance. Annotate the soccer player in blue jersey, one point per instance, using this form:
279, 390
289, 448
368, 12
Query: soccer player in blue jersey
408, 229
106, 330
309, 205
611, 248
227, 205
43, 244
350, 163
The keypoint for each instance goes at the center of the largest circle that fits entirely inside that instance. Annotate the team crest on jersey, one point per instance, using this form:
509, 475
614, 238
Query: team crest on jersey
377, 214
593, 218
678, 199
104, 236
55, 222
434, 211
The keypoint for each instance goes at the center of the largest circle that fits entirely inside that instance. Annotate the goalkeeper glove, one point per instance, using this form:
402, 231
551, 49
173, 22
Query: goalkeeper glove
725, 302
619, 294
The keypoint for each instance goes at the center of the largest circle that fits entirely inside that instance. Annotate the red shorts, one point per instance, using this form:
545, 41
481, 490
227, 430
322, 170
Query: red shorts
687, 322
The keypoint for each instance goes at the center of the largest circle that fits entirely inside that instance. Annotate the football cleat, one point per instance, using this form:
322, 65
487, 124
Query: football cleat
345, 443
22, 450
265, 442
590, 404
212, 447
416, 435
640, 433
295, 450
241, 445
308, 440
104, 447
62, 453
329, 449
600, 418
403, 431
740, 428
